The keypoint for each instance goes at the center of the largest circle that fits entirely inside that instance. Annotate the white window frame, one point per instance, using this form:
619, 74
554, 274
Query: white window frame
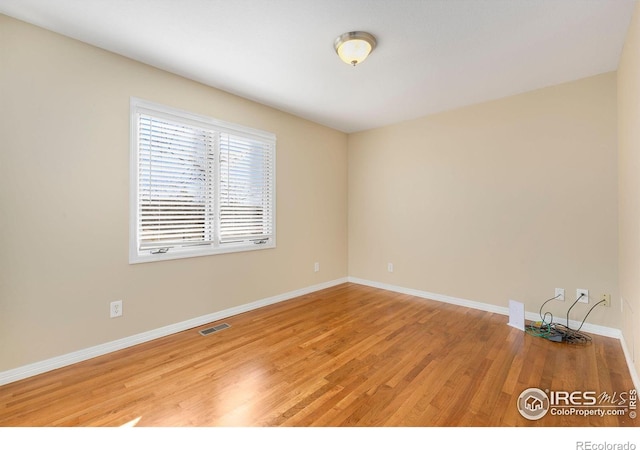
140, 107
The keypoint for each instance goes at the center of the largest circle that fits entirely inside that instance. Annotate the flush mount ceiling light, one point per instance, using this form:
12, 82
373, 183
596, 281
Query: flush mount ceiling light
353, 47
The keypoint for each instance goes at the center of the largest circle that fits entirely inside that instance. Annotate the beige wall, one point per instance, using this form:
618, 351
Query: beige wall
629, 185
64, 177
502, 200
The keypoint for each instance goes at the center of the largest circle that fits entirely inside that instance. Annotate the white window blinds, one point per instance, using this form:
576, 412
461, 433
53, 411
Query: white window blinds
201, 186
246, 211
175, 184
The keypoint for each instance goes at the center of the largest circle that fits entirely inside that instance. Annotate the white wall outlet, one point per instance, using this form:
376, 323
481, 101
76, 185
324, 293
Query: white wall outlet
606, 298
559, 294
389, 267
116, 309
585, 297
316, 267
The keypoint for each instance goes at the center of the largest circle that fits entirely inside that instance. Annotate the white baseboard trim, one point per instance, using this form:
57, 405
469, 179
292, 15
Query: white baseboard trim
57, 362
629, 359
40, 367
432, 296
503, 310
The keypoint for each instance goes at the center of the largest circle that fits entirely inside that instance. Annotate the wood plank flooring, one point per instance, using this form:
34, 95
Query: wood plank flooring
346, 356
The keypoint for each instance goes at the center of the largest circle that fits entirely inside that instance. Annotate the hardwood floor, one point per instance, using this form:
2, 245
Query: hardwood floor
345, 356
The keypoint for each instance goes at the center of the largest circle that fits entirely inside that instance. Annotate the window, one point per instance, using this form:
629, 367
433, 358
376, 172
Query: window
199, 186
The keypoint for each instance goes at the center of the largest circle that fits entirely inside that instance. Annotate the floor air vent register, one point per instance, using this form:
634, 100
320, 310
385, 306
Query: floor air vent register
208, 331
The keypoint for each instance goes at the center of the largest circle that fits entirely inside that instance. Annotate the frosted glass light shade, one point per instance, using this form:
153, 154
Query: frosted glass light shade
354, 47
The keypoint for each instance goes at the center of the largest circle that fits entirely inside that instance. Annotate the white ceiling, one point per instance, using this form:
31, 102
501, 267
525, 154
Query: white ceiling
432, 55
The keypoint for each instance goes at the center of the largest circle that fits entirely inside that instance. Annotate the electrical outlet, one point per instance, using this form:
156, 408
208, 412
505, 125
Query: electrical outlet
115, 309
316, 267
607, 299
585, 297
559, 294
389, 267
